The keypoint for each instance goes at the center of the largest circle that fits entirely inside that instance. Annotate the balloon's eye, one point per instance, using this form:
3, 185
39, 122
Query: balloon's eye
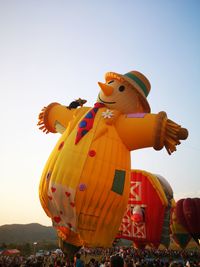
121, 88
110, 82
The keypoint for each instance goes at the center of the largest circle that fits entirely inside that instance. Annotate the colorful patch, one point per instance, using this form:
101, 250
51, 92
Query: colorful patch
136, 115
118, 182
61, 205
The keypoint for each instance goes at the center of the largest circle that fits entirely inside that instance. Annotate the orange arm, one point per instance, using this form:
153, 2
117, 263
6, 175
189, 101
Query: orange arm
149, 130
56, 115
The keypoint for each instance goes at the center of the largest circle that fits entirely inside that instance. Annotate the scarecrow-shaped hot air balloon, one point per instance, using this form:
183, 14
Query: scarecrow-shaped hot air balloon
147, 217
85, 184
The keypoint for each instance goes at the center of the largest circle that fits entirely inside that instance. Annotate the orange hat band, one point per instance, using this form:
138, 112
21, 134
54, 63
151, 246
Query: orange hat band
138, 81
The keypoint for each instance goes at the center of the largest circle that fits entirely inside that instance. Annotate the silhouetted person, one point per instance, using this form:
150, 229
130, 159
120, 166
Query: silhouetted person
78, 261
116, 261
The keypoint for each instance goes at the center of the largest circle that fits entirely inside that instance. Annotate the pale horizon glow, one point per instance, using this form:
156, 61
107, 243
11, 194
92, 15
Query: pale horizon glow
57, 51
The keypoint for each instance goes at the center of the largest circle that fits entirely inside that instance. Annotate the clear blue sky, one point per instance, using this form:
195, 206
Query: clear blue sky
59, 50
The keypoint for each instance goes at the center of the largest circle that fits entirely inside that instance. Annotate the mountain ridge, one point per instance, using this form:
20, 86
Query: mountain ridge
26, 233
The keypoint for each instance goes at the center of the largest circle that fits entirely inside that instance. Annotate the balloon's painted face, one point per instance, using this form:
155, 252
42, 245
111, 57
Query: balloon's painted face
119, 96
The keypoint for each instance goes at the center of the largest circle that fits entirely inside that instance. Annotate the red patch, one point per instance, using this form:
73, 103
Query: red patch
50, 197
72, 204
61, 212
53, 189
67, 194
92, 153
57, 219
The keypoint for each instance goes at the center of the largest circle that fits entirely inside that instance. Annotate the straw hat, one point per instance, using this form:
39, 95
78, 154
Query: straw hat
137, 81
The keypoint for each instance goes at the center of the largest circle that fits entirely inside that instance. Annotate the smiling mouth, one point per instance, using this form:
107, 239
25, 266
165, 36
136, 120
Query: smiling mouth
106, 102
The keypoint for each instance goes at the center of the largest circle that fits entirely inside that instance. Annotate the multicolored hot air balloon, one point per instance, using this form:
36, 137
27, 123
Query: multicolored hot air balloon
85, 184
179, 234
147, 218
188, 215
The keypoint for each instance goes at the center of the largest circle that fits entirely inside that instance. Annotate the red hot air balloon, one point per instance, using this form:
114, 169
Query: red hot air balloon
188, 214
147, 218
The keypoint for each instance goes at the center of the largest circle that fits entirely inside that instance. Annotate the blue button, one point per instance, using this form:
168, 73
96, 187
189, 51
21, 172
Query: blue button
83, 124
89, 115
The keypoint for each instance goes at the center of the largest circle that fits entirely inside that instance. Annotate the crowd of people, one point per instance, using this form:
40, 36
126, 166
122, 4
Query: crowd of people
115, 257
